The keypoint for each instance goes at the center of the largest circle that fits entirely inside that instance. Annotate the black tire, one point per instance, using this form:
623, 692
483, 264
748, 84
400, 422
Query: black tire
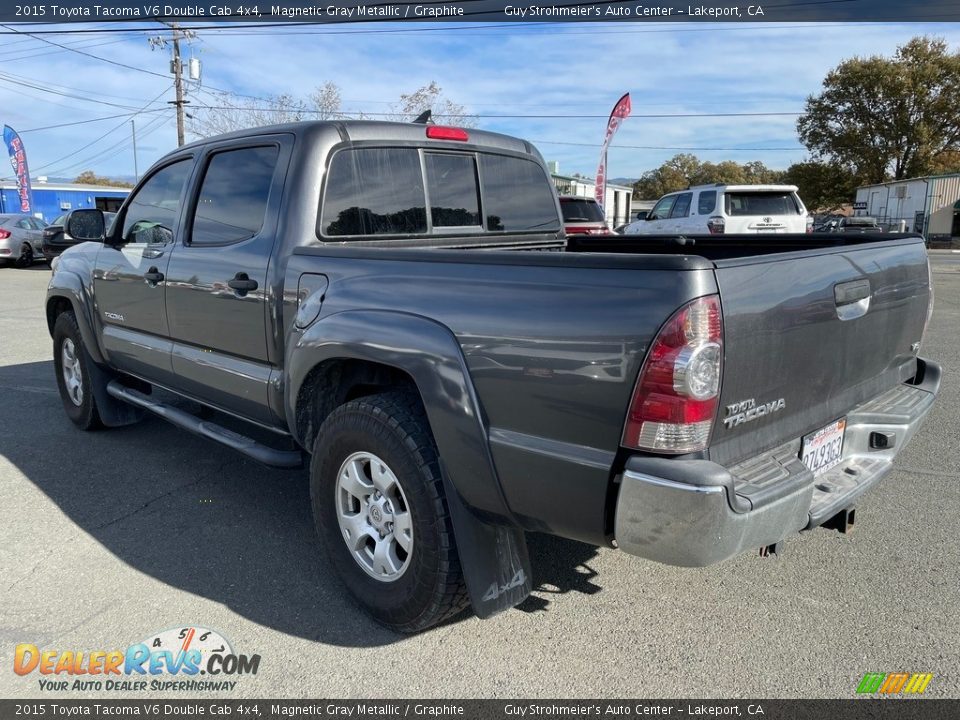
25, 258
394, 427
83, 414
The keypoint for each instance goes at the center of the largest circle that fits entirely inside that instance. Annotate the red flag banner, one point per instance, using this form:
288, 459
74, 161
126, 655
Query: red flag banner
621, 111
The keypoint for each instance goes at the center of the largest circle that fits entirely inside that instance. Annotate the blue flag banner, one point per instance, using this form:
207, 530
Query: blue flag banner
18, 161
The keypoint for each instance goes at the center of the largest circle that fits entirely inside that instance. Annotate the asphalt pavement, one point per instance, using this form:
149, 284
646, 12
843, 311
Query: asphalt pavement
111, 537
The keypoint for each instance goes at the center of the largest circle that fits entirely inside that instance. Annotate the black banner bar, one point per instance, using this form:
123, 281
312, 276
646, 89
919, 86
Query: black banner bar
351, 11
854, 709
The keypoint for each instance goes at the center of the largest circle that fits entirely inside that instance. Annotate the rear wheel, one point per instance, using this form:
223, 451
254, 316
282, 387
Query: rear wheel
379, 507
74, 373
25, 258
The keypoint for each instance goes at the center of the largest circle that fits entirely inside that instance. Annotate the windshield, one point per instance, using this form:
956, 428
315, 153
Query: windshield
760, 203
585, 210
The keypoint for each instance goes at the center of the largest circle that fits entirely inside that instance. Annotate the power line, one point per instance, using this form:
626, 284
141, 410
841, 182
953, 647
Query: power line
85, 122
112, 130
667, 147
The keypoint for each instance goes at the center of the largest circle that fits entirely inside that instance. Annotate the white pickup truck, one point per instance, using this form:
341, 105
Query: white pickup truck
726, 209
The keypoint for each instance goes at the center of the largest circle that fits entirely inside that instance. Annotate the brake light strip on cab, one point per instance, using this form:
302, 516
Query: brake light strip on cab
675, 400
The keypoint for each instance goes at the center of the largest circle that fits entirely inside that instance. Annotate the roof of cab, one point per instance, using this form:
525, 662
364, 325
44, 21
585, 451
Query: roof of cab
360, 130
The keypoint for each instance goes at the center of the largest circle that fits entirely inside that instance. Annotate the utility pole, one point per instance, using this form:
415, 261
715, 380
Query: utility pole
176, 67
133, 130
178, 81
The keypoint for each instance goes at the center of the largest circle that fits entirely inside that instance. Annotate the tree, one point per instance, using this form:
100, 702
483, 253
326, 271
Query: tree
684, 170
88, 177
230, 112
823, 186
430, 97
888, 117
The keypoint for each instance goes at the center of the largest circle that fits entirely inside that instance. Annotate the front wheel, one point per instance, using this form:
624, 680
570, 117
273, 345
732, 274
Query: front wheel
379, 507
74, 373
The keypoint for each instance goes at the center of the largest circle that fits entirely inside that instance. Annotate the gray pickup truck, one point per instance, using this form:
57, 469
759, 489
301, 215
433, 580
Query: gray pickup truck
398, 306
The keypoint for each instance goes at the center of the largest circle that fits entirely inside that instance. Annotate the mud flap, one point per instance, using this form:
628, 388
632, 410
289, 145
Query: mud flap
494, 558
113, 413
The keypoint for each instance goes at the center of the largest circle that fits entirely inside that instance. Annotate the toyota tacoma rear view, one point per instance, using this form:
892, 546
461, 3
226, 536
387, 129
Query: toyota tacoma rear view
397, 307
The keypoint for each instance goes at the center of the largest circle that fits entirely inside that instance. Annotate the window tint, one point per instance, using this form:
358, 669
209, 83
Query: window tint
60, 220
38, 224
233, 195
681, 208
24, 224
151, 214
661, 211
706, 202
374, 191
760, 203
584, 210
517, 196
454, 195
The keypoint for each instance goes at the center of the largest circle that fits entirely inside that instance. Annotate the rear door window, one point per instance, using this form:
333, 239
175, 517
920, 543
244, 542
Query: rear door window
681, 208
760, 203
229, 211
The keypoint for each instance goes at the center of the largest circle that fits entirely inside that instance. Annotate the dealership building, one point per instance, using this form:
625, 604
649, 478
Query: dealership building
618, 197
51, 200
927, 205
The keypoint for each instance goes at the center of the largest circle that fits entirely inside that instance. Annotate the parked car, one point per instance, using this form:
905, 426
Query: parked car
731, 209
399, 305
56, 239
582, 216
20, 239
860, 224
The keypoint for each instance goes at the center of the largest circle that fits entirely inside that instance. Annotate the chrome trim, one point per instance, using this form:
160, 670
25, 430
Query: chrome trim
661, 482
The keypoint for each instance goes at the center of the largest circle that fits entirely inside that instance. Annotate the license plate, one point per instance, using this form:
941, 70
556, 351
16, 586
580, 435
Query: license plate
823, 449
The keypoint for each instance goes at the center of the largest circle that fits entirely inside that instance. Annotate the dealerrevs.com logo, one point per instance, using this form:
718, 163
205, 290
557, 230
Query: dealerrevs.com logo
190, 658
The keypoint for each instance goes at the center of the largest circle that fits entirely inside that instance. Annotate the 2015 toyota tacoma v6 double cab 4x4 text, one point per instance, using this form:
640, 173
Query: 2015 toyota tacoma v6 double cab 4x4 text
399, 304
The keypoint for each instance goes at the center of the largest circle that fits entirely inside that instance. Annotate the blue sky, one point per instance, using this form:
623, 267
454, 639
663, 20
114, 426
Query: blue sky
543, 69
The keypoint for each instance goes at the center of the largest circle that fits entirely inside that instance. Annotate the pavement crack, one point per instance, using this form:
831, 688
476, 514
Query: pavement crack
202, 479
31, 571
934, 473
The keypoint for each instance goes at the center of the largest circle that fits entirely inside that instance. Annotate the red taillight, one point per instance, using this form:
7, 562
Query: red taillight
585, 230
675, 400
716, 225
4, 234
809, 225
441, 132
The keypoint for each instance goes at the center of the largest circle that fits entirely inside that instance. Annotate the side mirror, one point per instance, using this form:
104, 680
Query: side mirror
87, 225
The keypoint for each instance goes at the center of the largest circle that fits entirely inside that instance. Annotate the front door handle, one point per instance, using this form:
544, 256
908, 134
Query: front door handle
243, 284
153, 276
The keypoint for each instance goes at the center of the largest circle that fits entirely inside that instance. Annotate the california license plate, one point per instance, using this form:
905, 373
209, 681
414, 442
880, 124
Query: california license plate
823, 449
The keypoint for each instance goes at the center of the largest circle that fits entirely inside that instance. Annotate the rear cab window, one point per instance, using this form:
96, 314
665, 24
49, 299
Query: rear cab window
760, 202
390, 191
576, 210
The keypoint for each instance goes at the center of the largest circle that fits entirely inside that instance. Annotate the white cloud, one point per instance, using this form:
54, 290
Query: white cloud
559, 69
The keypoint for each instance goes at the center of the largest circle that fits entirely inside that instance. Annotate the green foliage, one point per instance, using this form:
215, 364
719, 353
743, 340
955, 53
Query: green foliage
685, 170
88, 177
823, 186
889, 118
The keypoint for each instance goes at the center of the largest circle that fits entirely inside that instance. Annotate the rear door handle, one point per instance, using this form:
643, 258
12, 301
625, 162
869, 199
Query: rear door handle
153, 276
243, 284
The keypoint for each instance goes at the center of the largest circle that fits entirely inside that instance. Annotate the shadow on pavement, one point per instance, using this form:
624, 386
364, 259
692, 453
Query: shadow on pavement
204, 519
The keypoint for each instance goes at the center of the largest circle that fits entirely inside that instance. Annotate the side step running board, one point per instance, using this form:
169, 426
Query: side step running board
248, 446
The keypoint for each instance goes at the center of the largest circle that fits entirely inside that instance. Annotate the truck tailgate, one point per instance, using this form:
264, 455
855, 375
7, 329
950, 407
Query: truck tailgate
810, 335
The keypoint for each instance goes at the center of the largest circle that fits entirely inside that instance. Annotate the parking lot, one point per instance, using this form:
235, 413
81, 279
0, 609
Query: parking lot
111, 537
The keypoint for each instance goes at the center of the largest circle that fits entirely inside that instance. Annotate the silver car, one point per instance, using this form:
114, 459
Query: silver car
21, 239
